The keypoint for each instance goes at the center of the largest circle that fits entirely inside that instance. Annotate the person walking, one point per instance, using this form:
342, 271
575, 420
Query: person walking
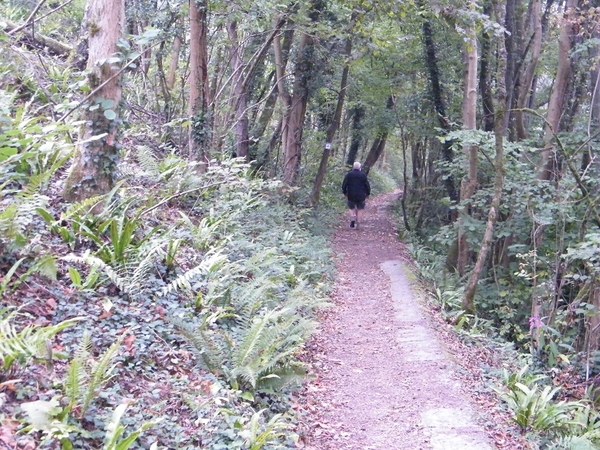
356, 189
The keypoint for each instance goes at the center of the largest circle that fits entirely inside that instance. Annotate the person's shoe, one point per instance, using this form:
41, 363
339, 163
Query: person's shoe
352, 224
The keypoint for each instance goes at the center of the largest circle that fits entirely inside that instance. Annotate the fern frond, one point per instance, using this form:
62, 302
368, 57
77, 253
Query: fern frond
77, 375
121, 282
17, 216
83, 206
101, 372
269, 344
209, 345
148, 161
29, 342
211, 263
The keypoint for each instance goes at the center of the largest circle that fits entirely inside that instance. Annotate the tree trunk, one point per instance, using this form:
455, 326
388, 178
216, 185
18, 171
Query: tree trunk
298, 100
297, 110
440, 109
547, 168
173, 62
281, 52
36, 39
527, 79
375, 152
487, 96
199, 133
469, 123
238, 93
468, 301
284, 95
358, 113
94, 165
335, 123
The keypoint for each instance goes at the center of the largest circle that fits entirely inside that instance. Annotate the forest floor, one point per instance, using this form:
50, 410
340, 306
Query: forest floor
389, 372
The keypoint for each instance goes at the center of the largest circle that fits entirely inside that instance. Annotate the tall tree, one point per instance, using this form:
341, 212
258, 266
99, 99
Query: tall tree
535, 24
296, 102
548, 167
198, 135
381, 138
335, 122
94, 165
431, 61
468, 301
469, 123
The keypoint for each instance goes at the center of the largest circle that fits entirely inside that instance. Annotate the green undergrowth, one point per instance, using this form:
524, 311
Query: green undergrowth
551, 405
169, 313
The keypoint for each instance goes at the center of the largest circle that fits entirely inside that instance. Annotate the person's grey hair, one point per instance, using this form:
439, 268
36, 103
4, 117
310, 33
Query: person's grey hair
356, 165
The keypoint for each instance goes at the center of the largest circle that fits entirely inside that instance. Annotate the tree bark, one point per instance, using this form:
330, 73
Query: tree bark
440, 109
375, 152
469, 123
335, 123
487, 96
199, 132
238, 93
174, 61
297, 110
527, 79
94, 165
468, 301
358, 113
548, 167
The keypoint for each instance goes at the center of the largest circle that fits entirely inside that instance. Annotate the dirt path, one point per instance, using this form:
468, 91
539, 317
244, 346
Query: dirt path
383, 378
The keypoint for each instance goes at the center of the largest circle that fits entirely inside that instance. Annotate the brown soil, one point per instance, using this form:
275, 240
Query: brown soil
389, 372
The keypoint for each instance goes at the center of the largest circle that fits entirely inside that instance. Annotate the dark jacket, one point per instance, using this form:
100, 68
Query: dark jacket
356, 186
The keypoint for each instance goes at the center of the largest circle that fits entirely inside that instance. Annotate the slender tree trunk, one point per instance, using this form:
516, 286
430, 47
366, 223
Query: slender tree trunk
440, 109
527, 80
548, 167
297, 109
175, 51
284, 95
375, 152
468, 301
358, 113
94, 165
469, 123
511, 40
334, 125
198, 137
593, 126
487, 96
238, 95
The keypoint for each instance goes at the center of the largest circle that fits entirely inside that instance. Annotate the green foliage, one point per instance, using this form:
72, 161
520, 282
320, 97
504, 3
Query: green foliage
45, 265
60, 418
86, 375
114, 431
238, 425
534, 405
31, 151
253, 350
17, 346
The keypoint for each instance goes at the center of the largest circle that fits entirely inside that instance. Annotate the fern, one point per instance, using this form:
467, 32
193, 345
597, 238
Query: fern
115, 430
16, 218
100, 372
212, 262
268, 344
96, 263
129, 278
77, 375
29, 342
148, 162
